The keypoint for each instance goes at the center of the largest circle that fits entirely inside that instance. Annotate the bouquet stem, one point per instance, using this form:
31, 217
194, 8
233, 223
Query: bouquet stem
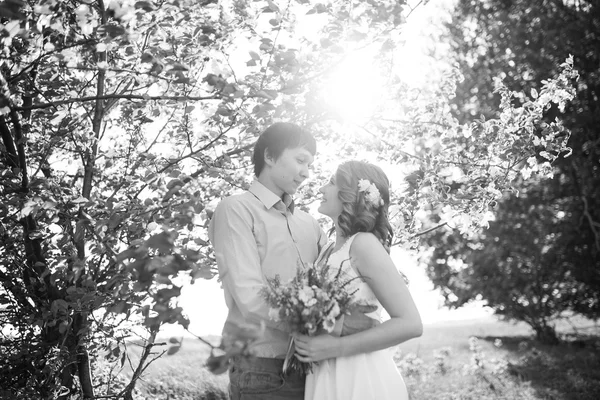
288, 356
291, 363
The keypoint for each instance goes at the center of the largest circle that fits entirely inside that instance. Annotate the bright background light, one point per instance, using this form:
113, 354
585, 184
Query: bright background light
204, 303
356, 87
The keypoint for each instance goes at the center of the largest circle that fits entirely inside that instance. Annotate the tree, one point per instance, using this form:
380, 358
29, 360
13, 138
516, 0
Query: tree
557, 218
123, 122
515, 265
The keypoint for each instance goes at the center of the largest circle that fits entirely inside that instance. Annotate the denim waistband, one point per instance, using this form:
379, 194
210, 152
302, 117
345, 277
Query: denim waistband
264, 364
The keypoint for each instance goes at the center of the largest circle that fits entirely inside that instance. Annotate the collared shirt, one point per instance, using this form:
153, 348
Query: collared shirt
256, 235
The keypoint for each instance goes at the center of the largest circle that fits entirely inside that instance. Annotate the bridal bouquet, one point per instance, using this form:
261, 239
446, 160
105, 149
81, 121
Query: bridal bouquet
311, 301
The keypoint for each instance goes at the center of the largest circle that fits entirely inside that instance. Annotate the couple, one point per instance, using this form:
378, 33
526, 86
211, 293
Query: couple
259, 234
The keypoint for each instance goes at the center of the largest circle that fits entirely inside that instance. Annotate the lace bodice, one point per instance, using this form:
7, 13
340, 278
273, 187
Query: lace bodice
341, 259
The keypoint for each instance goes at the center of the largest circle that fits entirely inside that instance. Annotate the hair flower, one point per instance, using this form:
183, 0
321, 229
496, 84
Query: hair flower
363, 185
372, 194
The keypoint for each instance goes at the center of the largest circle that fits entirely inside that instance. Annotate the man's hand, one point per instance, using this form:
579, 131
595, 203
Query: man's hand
357, 321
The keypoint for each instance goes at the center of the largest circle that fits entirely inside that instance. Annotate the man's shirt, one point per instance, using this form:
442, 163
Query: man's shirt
255, 236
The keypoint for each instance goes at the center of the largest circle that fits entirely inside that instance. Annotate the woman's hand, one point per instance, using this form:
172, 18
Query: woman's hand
316, 348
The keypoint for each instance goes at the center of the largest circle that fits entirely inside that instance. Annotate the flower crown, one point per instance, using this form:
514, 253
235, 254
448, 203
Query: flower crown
372, 194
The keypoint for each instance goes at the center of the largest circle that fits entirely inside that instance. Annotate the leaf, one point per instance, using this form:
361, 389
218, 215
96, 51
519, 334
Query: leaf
144, 5
267, 94
147, 58
83, 331
11, 10
62, 327
119, 307
534, 93
59, 305
170, 193
254, 55
224, 111
174, 183
318, 8
201, 242
178, 67
217, 364
113, 31
326, 42
202, 272
272, 6
356, 36
162, 242
35, 235
173, 349
174, 340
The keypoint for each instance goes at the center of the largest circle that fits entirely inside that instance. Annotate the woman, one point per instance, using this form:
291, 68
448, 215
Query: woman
360, 366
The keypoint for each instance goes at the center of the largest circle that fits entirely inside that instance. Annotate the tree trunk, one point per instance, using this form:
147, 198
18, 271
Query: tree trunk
546, 334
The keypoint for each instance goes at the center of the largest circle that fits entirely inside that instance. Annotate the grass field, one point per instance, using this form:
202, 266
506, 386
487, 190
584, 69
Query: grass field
463, 360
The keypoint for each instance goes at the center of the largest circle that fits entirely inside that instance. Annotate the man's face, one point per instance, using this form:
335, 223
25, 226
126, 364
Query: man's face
288, 172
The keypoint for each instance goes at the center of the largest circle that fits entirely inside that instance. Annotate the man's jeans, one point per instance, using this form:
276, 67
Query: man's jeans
261, 379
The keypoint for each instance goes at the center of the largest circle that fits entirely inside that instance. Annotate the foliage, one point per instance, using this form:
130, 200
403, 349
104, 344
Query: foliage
123, 122
541, 255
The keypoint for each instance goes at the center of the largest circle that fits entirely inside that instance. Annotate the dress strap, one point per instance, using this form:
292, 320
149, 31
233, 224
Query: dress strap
348, 244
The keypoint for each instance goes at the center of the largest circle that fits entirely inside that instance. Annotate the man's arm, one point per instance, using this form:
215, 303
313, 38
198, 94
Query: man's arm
232, 237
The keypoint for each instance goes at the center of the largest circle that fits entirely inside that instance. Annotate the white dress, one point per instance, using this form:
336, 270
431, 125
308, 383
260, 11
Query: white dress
359, 377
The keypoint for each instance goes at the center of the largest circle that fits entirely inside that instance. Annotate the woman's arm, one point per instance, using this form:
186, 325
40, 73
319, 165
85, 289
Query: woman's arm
380, 273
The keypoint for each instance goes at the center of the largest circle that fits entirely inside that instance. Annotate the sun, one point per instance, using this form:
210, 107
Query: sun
356, 87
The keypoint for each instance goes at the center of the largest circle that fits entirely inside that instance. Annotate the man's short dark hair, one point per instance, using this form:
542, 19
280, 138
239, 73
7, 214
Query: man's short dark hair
278, 137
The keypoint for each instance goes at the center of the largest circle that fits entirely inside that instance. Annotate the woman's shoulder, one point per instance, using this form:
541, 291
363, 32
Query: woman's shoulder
362, 239
365, 243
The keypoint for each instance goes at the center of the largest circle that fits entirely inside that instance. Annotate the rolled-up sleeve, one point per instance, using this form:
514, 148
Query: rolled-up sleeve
238, 261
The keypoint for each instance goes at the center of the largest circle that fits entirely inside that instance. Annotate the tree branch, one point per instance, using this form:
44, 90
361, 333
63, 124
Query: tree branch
593, 224
423, 232
116, 96
126, 393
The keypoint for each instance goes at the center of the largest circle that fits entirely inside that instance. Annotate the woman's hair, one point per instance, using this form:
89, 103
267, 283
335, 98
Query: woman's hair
278, 137
359, 212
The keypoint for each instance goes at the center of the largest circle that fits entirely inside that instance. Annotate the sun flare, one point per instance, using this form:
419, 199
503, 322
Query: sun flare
356, 88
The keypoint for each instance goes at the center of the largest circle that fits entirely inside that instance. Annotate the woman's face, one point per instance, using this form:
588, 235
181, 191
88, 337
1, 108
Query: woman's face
331, 204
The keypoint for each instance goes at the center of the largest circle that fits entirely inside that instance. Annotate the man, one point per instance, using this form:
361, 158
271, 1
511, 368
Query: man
260, 234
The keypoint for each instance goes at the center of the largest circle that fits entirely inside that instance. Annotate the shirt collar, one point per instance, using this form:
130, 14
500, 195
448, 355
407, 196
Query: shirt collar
270, 199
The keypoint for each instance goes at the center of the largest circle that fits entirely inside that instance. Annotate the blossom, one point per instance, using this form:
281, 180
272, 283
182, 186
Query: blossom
274, 314
335, 311
329, 324
305, 295
363, 185
372, 194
